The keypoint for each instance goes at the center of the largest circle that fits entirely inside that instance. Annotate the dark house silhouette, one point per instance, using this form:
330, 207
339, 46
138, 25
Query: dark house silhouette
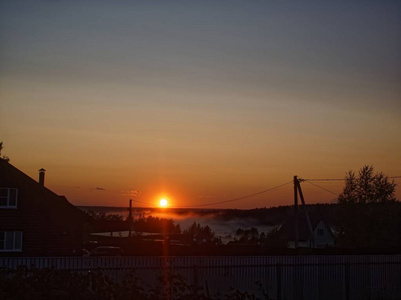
322, 234
34, 221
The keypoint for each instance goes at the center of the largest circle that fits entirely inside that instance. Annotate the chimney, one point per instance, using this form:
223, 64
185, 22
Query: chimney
42, 176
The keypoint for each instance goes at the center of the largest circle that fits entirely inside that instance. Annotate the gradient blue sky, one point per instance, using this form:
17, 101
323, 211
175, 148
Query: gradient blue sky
202, 101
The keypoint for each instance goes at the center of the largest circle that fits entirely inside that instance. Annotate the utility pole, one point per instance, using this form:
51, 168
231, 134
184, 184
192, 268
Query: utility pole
298, 189
296, 210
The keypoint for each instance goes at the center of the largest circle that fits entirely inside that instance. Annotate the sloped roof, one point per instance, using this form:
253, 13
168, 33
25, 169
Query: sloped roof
287, 230
39, 195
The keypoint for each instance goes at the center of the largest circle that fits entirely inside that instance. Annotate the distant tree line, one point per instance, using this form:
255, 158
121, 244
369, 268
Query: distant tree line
197, 234
101, 216
367, 215
252, 236
155, 225
150, 224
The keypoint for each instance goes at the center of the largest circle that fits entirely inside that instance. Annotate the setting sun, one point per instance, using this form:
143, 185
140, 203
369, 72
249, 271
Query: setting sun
163, 202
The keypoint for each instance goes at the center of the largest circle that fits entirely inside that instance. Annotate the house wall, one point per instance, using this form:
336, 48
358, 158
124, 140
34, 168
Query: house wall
47, 229
41, 235
323, 236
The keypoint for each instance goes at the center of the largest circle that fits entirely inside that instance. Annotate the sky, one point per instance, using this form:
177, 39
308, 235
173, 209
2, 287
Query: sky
200, 102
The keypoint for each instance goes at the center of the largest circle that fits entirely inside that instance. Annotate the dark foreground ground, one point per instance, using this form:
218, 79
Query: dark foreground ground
159, 247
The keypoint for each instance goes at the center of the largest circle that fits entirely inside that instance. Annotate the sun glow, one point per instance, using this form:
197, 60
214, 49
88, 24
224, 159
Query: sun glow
163, 202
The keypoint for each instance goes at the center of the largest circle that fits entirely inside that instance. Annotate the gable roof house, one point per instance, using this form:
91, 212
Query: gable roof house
322, 237
34, 221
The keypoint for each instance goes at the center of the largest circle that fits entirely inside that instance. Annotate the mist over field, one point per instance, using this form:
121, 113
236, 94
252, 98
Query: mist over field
222, 221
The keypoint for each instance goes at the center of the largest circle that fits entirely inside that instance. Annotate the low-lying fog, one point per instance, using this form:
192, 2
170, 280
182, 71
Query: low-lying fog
222, 223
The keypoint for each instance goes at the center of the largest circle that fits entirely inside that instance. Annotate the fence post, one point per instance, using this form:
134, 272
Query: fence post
278, 280
171, 280
196, 280
347, 281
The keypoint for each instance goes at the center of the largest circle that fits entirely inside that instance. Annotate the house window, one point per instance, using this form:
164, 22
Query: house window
10, 241
320, 231
8, 197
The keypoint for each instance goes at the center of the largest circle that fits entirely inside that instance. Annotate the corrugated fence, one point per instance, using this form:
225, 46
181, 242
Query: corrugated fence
279, 277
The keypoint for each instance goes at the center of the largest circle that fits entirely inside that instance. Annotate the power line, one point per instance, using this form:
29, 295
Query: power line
320, 187
265, 191
332, 179
340, 179
244, 197
222, 202
324, 179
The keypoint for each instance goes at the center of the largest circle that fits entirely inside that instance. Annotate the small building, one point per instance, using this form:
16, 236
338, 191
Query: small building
34, 221
323, 235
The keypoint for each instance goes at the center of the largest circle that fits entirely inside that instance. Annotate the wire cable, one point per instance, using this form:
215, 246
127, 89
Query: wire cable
324, 179
341, 179
241, 198
322, 188
265, 191
222, 202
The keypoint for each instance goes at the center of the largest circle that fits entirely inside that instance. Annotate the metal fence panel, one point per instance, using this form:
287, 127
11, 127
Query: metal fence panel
279, 277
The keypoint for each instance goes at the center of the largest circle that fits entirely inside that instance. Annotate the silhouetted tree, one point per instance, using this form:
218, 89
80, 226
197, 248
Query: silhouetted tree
154, 224
370, 212
103, 216
247, 235
199, 234
251, 236
274, 239
367, 187
372, 225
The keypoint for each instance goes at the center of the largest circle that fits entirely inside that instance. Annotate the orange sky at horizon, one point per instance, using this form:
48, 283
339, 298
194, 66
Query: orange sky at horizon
201, 102
181, 197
